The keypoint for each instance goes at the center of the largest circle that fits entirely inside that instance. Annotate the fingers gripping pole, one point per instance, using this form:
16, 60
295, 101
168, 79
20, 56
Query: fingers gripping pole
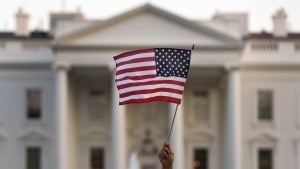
172, 123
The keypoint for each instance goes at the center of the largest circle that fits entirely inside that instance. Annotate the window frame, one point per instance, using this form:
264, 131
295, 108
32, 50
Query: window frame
190, 100
258, 105
89, 115
85, 116
40, 163
260, 143
34, 139
254, 108
202, 143
41, 115
91, 155
258, 156
207, 106
94, 141
207, 156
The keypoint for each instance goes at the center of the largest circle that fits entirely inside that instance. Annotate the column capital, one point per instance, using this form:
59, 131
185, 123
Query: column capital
65, 66
231, 66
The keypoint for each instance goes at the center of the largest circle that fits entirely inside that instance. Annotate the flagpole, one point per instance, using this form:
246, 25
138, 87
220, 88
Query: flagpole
170, 132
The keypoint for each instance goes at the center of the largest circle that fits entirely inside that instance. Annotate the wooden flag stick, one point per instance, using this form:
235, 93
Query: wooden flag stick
172, 123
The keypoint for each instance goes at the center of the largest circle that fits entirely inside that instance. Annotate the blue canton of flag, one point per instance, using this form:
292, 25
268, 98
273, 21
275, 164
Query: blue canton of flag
172, 62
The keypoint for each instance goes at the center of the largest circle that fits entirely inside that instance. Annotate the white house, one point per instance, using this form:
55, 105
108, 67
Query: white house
59, 104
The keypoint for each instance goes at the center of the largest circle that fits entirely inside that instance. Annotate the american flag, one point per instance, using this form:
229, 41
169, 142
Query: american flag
152, 75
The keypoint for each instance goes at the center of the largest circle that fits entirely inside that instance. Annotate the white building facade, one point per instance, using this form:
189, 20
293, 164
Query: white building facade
59, 104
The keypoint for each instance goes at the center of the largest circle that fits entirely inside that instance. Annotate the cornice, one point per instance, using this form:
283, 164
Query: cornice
23, 66
264, 135
203, 134
147, 8
34, 133
59, 65
57, 47
232, 66
271, 67
95, 133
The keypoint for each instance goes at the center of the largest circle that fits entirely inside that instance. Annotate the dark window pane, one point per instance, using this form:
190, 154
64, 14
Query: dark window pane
200, 159
265, 159
265, 105
97, 158
33, 155
33, 97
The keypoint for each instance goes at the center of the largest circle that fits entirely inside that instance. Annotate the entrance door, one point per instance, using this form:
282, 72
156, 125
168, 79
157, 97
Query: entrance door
97, 158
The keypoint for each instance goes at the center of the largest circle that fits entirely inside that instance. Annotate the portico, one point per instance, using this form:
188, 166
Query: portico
85, 79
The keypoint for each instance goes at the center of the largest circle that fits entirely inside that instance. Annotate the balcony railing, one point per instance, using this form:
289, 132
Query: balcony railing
265, 47
34, 46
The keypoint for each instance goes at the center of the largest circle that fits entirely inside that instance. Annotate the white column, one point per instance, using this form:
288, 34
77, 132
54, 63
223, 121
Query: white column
232, 146
118, 130
62, 114
176, 139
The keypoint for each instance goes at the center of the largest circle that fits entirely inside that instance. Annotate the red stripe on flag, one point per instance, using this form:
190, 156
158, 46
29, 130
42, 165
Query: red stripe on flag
152, 82
138, 60
137, 77
148, 91
135, 69
133, 53
152, 99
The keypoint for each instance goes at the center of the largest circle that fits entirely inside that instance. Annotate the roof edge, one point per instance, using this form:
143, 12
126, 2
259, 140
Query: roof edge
151, 8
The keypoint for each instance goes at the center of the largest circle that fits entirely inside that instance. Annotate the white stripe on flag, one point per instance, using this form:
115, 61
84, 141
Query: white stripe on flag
139, 73
140, 55
180, 79
133, 65
145, 96
148, 87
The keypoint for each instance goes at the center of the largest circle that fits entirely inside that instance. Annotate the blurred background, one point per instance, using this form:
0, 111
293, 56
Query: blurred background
59, 103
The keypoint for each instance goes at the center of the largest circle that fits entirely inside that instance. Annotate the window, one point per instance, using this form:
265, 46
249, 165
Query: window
201, 105
200, 159
97, 158
33, 97
33, 158
265, 105
265, 159
97, 104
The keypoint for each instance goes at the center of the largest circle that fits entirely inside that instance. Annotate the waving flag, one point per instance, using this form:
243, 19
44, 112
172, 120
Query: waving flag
152, 75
